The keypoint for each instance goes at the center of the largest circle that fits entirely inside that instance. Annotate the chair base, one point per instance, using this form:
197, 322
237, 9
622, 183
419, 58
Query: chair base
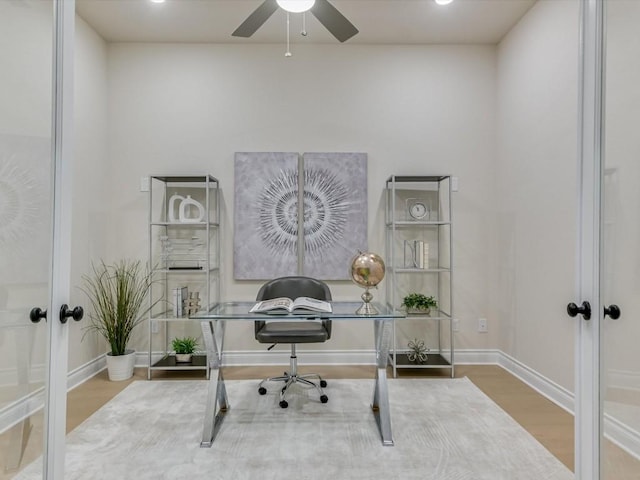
289, 379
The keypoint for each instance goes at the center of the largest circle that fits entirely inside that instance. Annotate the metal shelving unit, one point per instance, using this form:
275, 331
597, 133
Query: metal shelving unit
419, 256
184, 256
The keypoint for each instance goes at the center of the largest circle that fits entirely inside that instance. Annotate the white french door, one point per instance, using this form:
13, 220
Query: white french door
607, 373
620, 238
35, 190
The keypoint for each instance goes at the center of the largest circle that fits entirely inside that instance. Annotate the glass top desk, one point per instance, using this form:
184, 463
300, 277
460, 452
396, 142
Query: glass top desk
213, 328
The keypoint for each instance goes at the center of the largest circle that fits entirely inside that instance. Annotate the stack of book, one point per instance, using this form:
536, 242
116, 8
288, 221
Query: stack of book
180, 295
416, 254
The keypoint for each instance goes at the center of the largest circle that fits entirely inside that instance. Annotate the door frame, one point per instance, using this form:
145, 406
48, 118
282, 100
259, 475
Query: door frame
588, 397
62, 146
588, 374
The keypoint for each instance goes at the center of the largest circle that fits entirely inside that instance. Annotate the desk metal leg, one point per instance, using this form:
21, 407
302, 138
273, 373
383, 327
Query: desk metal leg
217, 402
380, 404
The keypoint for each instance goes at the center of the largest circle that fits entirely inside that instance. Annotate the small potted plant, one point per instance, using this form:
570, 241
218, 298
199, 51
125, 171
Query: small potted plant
184, 348
419, 304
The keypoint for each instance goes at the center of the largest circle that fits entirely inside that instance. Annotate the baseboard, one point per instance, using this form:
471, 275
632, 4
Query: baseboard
626, 438
29, 404
622, 435
308, 357
9, 376
341, 357
541, 384
623, 379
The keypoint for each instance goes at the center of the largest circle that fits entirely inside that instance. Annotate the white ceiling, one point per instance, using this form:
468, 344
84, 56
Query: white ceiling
379, 21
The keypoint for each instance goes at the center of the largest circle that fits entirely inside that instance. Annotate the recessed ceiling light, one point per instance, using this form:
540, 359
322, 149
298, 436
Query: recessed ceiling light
157, 1
443, 2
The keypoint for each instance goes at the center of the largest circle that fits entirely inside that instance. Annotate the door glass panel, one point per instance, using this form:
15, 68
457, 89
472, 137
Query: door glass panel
25, 216
621, 233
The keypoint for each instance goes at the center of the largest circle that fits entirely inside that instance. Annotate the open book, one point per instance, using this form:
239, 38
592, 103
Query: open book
286, 305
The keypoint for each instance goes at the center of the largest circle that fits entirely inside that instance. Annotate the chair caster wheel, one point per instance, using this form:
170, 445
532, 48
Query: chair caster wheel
323, 383
262, 391
324, 398
283, 404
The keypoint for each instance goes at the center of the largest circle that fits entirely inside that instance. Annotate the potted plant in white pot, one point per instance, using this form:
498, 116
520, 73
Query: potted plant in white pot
184, 348
418, 303
117, 294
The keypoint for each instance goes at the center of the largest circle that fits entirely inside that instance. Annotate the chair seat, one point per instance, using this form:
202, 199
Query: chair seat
292, 332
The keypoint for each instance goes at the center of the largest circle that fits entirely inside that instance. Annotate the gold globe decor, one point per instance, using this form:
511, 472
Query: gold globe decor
367, 270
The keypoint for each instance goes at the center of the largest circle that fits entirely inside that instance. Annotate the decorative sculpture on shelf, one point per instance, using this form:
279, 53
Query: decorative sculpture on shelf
367, 270
184, 209
417, 351
192, 304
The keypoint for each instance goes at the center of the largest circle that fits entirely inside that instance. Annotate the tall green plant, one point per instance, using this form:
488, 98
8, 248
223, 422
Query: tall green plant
117, 294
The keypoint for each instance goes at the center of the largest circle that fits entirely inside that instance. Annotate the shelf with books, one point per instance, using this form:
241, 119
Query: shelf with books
418, 219
184, 252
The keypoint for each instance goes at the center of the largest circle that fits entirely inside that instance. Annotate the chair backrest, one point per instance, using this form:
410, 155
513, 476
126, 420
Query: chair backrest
294, 287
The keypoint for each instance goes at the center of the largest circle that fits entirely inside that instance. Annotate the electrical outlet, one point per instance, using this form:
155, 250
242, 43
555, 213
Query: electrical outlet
155, 328
482, 325
456, 325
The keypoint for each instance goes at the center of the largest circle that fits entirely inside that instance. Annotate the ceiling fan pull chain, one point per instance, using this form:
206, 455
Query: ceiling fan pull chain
288, 52
304, 24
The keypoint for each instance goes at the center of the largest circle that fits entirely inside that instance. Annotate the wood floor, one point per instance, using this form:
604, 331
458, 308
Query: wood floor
548, 423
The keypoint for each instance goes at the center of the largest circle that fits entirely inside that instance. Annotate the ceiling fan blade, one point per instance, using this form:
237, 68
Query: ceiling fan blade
256, 19
333, 20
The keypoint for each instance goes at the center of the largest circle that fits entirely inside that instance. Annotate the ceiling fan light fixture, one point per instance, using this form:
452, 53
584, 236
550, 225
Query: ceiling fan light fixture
296, 6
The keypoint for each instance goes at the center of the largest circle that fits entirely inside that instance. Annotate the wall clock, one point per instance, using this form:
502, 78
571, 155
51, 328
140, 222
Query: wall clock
417, 209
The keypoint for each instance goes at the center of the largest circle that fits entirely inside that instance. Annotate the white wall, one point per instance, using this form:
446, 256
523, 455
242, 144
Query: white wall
91, 214
178, 109
536, 172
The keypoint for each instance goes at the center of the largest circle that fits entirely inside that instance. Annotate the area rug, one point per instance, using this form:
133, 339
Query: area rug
444, 429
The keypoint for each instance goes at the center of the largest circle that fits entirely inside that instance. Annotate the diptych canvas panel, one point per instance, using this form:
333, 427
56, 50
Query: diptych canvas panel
267, 215
335, 213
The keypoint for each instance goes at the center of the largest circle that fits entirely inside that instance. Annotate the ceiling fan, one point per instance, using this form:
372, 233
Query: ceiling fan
327, 15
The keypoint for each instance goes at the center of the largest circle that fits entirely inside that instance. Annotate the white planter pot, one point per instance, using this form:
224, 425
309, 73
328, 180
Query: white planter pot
418, 311
183, 358
120, 367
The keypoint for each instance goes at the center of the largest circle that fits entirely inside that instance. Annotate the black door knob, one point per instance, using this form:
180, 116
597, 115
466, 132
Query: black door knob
36, 314
584, 310
613, 311
65, 312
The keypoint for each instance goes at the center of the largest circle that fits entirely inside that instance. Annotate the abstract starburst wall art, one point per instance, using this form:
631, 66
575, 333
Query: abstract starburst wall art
335, 213
265, 215
276, 236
